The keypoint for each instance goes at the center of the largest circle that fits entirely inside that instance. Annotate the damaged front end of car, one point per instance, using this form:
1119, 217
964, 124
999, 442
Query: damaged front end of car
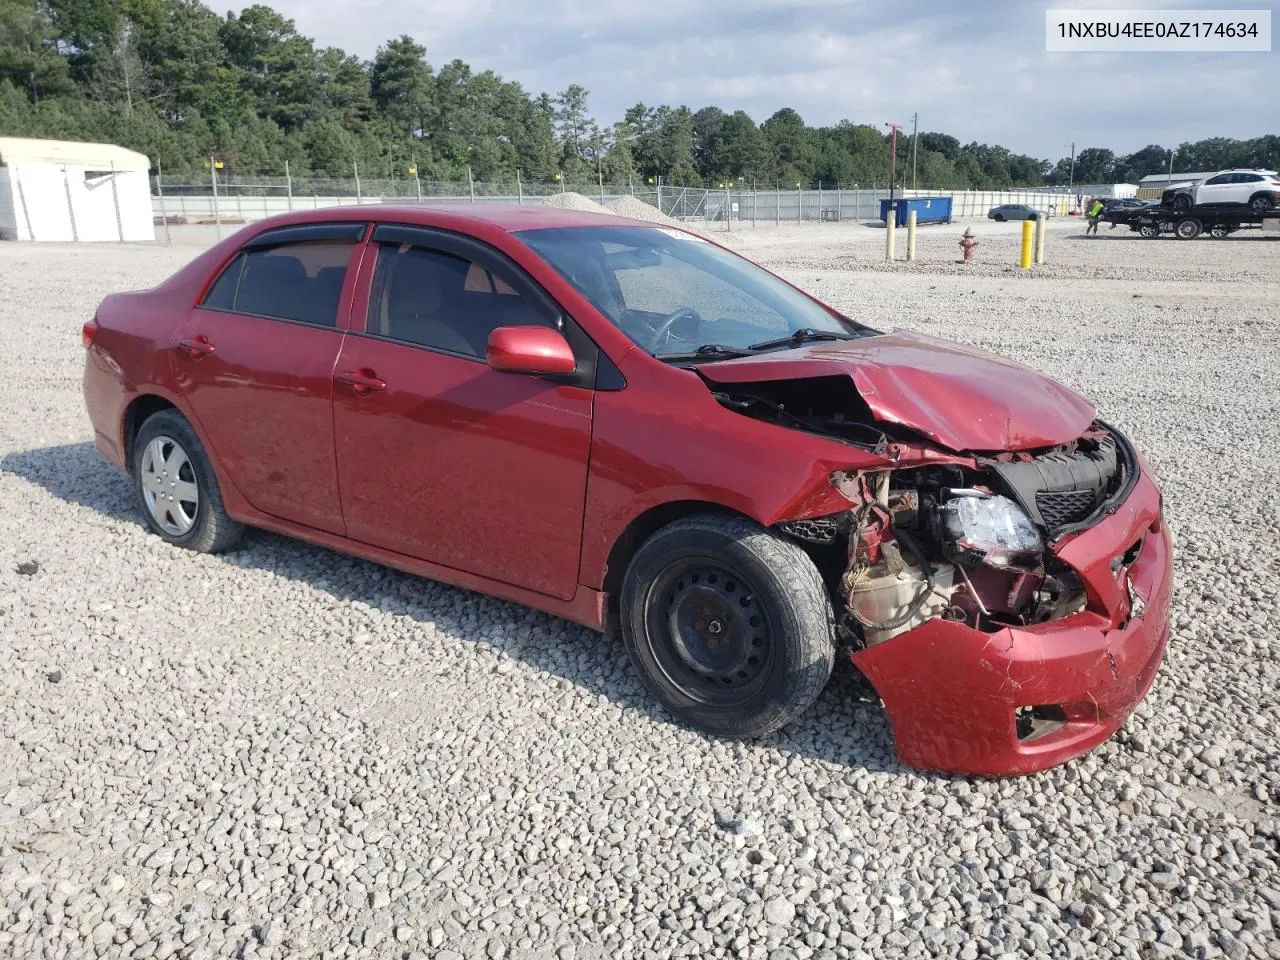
1010, 608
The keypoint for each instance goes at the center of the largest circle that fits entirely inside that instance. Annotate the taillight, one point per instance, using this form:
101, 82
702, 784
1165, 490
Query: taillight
88, 332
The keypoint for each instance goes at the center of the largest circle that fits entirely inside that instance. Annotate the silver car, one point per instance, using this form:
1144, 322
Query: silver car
1013, 211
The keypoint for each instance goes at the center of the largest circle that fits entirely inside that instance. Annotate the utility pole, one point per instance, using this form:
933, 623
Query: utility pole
1172, 152
915, 136
893, 160
1071, 179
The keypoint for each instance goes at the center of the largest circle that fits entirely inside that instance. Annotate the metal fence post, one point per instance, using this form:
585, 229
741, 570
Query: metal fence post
472, 182
355, 168
800, 205
115, 200
213, 175
659, 194
164, 214
288, 184
519, 190
777, 204
71, 208
22, 198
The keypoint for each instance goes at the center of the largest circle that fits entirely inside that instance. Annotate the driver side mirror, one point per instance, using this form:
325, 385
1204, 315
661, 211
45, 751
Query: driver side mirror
540, 351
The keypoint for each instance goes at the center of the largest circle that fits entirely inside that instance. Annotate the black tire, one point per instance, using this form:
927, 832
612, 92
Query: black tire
1182, 203
998, 218
1188, 228
1219, 231
211, 529
1261, 203
1149, 230
729, 626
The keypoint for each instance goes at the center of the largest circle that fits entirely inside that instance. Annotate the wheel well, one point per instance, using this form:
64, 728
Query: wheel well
644, 526
136, 415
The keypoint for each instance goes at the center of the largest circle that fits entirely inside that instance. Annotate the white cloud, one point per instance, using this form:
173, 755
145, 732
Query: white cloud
977, 71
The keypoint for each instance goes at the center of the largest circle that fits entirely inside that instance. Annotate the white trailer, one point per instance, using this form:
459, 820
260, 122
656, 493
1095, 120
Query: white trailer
62, 190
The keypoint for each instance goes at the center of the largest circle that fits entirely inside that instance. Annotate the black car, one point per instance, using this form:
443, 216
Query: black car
1125, 210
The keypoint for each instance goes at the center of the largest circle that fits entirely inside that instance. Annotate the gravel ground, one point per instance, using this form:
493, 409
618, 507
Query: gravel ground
286, 753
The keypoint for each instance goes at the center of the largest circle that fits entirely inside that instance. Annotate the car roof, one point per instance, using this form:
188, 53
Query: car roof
508, 217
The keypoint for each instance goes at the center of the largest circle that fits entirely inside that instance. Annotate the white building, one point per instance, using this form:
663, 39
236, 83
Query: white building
66, 190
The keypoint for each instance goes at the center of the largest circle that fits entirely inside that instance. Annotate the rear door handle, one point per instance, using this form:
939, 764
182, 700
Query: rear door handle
362, 382
196, 348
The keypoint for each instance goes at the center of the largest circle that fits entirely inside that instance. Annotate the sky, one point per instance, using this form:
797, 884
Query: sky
976, 69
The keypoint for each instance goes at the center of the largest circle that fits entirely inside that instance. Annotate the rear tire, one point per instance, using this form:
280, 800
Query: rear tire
729, 626
1261, 203
1218, 231
1150, 231
1188, 229
998, 218
176, 487
1182, 203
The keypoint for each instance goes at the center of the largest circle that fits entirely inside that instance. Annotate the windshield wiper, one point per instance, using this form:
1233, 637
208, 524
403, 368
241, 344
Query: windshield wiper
803, 335
707, 351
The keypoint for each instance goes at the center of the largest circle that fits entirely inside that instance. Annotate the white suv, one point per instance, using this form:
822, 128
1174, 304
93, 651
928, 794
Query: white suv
1259, 190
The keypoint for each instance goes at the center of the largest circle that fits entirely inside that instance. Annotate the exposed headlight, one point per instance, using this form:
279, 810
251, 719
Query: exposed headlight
994, 529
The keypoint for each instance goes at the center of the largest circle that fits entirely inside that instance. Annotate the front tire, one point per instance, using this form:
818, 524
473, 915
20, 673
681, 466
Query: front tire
730, 626
176, 486
1149, 231
998, 218
1188, 229
1182, 203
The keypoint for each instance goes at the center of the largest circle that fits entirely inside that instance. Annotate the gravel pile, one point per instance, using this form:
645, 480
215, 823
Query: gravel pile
574, 201
628, 206
286, 753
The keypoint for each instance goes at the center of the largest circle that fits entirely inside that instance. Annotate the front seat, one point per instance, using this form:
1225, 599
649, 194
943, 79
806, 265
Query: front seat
416, 309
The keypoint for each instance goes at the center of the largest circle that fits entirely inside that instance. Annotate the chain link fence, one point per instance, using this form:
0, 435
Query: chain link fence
218, 199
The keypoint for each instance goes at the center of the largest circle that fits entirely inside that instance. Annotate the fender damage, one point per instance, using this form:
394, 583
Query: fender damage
1005, 583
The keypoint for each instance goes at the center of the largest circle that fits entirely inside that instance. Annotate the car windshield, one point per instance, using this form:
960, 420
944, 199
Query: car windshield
678, 296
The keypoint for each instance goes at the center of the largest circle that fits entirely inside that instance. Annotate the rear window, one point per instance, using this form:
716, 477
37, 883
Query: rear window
297, 281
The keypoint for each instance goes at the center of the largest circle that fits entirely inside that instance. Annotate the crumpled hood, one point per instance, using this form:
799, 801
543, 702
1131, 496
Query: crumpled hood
960, 397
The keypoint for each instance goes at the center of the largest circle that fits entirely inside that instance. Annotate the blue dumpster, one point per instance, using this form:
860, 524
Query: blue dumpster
928, 209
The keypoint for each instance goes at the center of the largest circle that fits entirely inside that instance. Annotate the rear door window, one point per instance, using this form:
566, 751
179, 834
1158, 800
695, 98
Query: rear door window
301, 282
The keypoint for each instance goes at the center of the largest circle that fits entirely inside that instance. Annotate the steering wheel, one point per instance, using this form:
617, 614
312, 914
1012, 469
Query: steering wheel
662, 335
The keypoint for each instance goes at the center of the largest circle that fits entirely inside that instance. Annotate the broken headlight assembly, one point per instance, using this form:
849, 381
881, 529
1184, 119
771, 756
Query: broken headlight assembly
984, 528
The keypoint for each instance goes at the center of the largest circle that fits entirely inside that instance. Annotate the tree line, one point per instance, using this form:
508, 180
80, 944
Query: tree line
181, 84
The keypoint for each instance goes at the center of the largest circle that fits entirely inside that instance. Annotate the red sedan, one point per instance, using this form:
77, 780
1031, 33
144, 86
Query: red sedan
631, 427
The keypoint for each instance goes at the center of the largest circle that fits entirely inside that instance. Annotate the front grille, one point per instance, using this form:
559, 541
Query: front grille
1065, 507
1064, 488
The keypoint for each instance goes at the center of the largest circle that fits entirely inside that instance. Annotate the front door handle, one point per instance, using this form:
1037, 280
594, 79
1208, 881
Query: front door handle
362, 382
196, 348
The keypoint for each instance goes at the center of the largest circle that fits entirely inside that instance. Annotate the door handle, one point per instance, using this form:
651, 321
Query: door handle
362, 382
196, 348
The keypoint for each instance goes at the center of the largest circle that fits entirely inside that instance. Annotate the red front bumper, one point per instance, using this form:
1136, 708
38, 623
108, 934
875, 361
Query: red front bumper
952, 692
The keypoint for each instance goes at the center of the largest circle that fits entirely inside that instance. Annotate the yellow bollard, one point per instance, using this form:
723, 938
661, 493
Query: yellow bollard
1028, 230
890, 225
1042, 226
911, 235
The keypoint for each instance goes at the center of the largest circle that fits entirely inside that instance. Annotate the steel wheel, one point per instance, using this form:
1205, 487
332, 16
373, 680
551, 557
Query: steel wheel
169, 486
708, 633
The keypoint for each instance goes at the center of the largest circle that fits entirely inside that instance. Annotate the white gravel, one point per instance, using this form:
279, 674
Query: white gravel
574, 201
286, 753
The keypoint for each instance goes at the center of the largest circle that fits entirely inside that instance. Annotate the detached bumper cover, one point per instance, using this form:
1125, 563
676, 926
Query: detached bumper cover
952, 692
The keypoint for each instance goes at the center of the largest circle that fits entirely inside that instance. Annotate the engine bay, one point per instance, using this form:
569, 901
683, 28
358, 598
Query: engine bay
968, 543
